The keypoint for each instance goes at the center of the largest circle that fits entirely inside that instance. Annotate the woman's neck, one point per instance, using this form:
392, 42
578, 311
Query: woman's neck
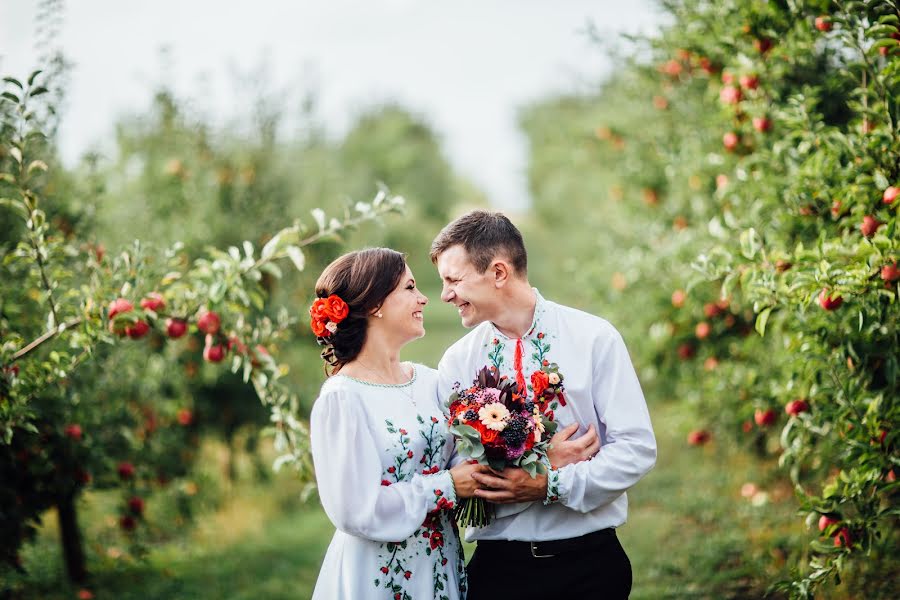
377, 362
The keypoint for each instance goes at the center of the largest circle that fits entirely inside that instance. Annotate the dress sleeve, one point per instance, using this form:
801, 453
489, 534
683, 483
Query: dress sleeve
348, 467
629, 450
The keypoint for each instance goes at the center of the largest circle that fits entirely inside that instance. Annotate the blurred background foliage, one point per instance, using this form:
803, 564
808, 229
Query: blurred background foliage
644, 211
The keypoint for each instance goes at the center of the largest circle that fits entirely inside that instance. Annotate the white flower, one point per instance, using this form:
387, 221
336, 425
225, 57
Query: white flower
493, 416
331, 326
554, 378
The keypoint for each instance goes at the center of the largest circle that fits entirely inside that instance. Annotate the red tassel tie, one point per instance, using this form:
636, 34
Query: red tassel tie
517, 365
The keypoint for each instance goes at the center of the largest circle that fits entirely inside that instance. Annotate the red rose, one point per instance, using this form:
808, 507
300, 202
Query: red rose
318, 310
437, 540
409, 453
539, 382
407, 574
336, 309
318, 328
392, 469
384, 570
489, 436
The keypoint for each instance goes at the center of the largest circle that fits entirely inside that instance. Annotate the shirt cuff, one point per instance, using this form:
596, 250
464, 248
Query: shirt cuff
443, 492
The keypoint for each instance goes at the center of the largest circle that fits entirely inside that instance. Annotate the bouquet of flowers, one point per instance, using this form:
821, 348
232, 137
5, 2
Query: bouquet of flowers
497, 424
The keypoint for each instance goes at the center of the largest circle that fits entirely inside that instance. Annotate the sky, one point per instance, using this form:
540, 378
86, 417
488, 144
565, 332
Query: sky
465, 66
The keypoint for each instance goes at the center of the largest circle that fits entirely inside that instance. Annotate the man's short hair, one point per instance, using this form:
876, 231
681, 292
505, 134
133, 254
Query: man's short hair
485, 235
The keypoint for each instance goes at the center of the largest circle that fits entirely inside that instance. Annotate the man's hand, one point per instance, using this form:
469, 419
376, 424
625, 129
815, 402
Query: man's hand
510, 485
564, 451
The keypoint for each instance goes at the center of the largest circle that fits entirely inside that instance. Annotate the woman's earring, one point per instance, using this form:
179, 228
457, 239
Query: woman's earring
379, 315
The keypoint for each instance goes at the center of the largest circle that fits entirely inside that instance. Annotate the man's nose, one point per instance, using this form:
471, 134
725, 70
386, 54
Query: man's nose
446, 293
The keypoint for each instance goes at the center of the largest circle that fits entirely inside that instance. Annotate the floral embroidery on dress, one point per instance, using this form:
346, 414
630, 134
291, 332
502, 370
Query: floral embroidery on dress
430, 536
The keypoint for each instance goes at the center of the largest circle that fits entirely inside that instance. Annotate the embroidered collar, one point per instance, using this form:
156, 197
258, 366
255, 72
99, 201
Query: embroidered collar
540, 306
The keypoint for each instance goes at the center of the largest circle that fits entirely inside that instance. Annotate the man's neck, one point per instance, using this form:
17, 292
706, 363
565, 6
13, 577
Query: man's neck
518, 312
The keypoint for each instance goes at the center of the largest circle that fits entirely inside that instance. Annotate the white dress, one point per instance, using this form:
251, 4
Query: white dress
380, 452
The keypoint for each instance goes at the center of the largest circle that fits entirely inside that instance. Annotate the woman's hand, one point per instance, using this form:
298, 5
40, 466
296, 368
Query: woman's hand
462, 478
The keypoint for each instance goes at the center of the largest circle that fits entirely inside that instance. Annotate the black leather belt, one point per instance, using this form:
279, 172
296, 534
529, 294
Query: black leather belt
549, 548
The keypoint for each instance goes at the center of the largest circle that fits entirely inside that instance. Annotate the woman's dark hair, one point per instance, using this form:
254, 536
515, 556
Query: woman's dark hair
362, 279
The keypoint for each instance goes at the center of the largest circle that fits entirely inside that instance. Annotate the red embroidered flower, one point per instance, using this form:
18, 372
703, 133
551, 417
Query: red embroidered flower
384, 570
540, 336
392, 469
539, 381
385, 482
408, 574
434, 419
409, 453
437, 540
438, 492
403, 431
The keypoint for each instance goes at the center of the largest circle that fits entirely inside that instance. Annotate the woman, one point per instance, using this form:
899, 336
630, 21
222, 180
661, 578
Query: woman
379, 441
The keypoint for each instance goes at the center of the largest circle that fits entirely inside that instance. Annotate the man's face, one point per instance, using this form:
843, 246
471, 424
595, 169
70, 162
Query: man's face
472, 293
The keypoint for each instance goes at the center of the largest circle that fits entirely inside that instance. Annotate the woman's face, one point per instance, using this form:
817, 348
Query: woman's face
402, 310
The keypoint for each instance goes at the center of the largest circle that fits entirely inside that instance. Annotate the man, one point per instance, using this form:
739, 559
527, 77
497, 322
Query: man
552, 536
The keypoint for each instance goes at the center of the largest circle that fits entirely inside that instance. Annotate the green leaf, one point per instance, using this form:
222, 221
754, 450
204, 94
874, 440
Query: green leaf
38, 91
10, 96
13, 81
762, 319
33, 76
296, 256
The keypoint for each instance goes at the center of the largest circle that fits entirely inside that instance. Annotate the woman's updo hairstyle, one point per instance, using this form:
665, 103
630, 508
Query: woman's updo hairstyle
362, 279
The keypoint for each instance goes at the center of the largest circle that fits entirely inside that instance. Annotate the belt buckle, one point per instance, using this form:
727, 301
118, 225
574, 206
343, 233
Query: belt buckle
535, 554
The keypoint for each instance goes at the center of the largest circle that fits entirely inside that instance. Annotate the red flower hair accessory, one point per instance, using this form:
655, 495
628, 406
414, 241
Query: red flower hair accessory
326, 313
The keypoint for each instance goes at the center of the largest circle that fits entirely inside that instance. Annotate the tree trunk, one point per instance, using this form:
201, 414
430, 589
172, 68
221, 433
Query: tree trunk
70, 536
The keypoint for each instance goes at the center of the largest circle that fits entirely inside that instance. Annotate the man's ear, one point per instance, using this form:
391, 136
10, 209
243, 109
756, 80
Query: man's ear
501, 272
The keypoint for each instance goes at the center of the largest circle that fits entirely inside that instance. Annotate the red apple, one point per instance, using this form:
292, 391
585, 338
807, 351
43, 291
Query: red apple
730, 140
672, 68
707, 65
721, 181
762, 45
795, 407
119, 306
154, 301
698, 437
686, 351
747, 426
137, 330
125, 470
749, 82
208, 322
702, 330
185, 417
890, 194
213, 352
136, 505
890, 273
825, 521
727, 78
828, 301
869, 226
175, 328
823, 23
730, 94
711, 310
764, 418
762, 124
678, 298
836, 209
842, 538
73, 431
127, 523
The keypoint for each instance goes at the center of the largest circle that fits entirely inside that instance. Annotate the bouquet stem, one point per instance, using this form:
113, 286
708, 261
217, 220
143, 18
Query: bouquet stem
473, 512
